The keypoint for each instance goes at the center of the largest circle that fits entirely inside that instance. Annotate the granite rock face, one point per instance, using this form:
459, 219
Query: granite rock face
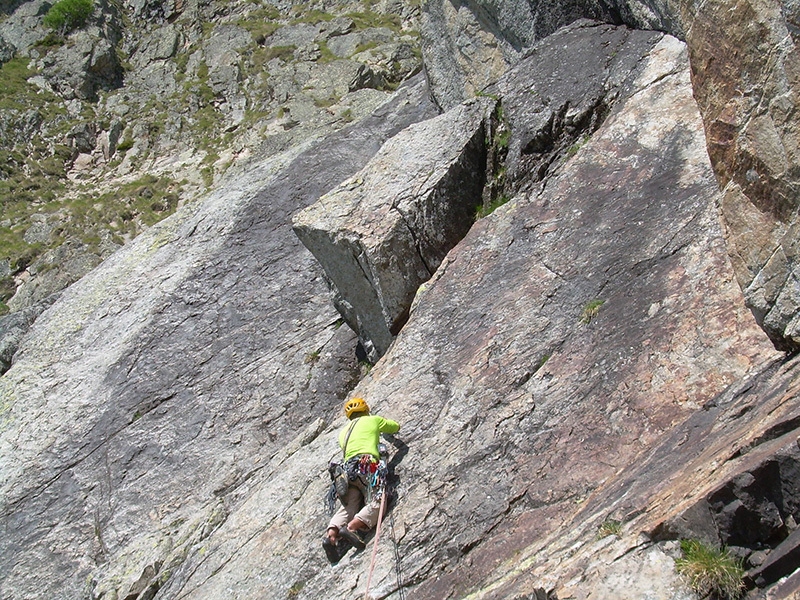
382, 233
468, 45
746, 84
550, 106
583, 312
743, 57
583, 356
160, 388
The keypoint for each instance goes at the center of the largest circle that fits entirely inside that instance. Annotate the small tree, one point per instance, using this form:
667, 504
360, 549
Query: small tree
66, 15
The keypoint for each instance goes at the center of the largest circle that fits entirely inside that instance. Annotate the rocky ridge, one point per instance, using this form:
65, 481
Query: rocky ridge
582, 358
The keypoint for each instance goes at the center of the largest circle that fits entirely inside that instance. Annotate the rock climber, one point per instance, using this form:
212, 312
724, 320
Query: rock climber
359, 440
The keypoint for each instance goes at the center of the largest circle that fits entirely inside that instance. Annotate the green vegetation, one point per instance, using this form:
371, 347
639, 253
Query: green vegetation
48, 42
125, 210
296, 589
32, 170
542, 361
591, 310
326, 56
486, 209
326, 102
573, 150
284, 53
369, 19
261, 23
365, 367
125, 145
366, 46
17, 94
609, 527
711, 571
37, 153
502, 138
66, 15
7, 289
313, 17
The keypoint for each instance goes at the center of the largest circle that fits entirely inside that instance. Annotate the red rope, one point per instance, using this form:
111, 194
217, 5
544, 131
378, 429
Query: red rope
375, 545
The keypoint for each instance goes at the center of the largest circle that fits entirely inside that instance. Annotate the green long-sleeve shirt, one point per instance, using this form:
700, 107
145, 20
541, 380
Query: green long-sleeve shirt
366, 435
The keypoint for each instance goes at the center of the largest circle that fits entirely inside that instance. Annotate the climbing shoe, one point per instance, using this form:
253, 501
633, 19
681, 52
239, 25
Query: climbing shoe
331, 550
352, 537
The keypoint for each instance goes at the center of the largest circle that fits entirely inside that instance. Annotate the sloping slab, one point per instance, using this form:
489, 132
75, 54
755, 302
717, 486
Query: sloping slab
147, 401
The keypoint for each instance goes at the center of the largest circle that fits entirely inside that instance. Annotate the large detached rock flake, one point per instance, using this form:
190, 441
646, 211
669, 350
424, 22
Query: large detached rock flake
384, 231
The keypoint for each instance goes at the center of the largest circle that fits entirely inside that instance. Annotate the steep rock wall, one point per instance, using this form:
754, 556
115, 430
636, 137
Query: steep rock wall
469, 44
583, 354
744, 69
528, 424
158, 389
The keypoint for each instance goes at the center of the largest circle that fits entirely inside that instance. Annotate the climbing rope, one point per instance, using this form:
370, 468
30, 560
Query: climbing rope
398, 571
380, 482
375, 545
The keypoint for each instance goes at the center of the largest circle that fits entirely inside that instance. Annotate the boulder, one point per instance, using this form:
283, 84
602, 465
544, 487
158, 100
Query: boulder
160, 44
82, 66
7, 51
23, 27
383, 232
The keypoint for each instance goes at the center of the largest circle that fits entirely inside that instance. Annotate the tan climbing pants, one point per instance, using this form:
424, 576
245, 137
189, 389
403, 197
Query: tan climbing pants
354, 507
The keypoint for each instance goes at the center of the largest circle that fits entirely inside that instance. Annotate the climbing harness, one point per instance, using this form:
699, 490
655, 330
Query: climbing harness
373, 477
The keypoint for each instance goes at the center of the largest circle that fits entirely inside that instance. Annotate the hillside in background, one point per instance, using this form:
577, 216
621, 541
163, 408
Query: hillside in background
110, 126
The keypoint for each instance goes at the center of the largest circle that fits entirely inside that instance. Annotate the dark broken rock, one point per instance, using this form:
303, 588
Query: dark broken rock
781, 562
552, 106
751, 512
7, 51
383, 232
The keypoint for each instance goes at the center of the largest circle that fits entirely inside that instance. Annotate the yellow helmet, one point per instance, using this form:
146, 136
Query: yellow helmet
355, 405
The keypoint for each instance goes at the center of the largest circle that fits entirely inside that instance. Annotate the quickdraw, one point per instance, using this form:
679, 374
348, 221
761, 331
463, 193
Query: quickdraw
373, 475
